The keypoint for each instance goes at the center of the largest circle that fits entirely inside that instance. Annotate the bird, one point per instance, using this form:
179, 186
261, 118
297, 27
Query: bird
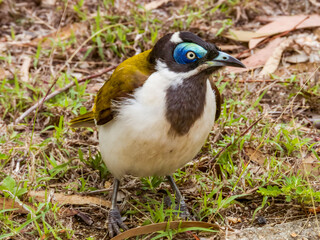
156, 111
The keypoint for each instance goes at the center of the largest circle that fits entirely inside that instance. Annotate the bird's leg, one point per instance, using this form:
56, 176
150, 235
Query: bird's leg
182, 206
114, 218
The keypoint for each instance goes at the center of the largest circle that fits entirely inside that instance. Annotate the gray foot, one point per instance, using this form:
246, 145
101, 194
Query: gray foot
182, 209
184, 212
115, 223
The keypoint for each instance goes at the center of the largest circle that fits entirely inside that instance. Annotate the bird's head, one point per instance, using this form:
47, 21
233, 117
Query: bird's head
184, 52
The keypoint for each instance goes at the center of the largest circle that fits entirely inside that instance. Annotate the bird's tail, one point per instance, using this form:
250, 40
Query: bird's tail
84, 120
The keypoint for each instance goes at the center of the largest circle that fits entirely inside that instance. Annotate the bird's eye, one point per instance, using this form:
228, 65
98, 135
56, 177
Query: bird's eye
186, 52
191, 55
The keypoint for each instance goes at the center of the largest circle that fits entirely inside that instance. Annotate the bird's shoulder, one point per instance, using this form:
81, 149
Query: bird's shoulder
129, 75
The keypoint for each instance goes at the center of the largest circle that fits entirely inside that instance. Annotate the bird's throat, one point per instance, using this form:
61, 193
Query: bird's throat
185, 103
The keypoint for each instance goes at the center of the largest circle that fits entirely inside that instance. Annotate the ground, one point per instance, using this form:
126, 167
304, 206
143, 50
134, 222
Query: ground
259, 165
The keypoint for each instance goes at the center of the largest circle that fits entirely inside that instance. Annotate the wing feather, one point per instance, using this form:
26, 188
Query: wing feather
128, 76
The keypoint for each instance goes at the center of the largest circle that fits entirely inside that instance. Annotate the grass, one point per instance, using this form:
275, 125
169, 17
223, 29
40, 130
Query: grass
43, 153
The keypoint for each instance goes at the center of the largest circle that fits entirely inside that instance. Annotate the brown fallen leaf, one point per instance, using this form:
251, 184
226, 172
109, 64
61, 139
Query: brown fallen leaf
285, 23
62, 199
8, 203
259, 58
255, 155
273, 61
163, 227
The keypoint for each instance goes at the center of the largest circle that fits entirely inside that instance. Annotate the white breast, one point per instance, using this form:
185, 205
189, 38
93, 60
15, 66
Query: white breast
137, 141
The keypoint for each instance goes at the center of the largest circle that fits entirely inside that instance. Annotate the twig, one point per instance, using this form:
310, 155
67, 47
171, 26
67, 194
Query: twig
229, 144
97, 191
274, 37
55, 93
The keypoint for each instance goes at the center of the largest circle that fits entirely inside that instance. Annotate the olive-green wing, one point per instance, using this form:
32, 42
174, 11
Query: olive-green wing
118, 88
84, 120
129, 75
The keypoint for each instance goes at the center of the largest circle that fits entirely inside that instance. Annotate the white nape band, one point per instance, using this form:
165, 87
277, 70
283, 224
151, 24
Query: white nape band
176, 78
175, 38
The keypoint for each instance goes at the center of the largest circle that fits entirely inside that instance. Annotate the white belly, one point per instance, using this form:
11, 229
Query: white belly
137, 141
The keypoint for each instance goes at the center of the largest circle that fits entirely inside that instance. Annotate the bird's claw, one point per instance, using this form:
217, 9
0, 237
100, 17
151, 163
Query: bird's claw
115, 223
181, 209
184, 212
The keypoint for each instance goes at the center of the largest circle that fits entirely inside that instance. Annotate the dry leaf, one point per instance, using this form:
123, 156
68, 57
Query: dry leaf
245, 36
255, 155
155, 4
163, 226
62, 199
285, 23
274, 60
259, 58
24, 72
63, 34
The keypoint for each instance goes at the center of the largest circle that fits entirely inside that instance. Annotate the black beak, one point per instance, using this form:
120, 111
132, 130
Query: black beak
224, 59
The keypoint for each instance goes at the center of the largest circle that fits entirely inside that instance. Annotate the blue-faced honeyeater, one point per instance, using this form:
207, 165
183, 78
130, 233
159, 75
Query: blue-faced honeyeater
155, 112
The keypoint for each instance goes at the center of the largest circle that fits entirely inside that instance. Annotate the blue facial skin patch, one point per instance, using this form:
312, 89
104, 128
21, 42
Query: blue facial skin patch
183, 50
